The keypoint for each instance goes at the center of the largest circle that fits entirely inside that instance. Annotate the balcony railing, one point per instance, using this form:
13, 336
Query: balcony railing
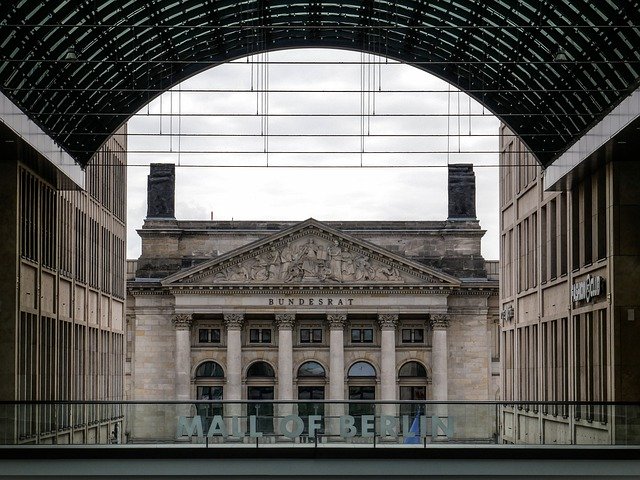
318, 423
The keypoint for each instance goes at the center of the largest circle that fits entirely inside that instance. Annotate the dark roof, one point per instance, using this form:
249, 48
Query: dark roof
504, 53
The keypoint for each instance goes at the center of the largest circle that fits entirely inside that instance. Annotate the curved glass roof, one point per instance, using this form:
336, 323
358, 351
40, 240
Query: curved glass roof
548, 69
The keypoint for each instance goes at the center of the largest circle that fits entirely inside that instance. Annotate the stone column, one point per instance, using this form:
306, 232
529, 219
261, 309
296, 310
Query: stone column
439, 353
182, 324
284, 322
337, 322
233, 388
388, 323
182, 362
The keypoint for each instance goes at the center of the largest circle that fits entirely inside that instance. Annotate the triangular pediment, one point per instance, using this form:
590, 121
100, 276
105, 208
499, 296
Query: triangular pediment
310, 253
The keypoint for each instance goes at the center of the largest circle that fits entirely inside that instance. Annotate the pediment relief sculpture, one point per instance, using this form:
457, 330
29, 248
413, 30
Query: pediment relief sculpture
313, 259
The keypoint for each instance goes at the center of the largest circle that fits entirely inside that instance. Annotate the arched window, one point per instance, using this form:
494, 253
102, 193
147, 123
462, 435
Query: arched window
209, 386
311, 384
412, 369
413, 386
362, 386
362, 369
209, 370
260, 386
261, 369
311, 369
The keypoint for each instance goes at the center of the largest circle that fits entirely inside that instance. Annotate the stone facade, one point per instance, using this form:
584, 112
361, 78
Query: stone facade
63, 295
347, 295
569, 273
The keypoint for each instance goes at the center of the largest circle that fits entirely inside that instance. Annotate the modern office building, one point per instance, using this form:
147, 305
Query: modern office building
569, 272
246, 310
63, 294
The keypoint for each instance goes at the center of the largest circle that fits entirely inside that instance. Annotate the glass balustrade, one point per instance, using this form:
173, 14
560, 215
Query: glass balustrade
264, 422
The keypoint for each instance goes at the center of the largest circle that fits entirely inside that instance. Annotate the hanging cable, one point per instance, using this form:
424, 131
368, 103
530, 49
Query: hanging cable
448, 122
179, 123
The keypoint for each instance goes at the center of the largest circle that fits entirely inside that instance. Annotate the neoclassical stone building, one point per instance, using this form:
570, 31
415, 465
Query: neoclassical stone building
312, 310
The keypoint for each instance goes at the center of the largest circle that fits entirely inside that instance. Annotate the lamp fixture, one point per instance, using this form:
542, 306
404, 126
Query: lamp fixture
70, 54
561, 56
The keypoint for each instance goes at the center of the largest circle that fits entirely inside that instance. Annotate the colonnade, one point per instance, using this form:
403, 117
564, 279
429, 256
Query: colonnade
337, 322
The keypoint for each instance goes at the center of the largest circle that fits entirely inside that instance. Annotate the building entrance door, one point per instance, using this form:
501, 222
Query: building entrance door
262, 411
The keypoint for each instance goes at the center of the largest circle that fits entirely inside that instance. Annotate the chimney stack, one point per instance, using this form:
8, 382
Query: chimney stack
161, 190
462, 192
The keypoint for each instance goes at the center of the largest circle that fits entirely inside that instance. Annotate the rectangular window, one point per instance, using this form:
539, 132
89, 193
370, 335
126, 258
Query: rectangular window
575, 227
209, 335
361, 335
601, 220
544, 243
310, 335
553, 240
564, 233
412, 335
259, 335
588, 221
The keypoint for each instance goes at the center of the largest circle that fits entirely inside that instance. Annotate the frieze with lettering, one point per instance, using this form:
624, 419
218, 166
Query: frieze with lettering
310, 302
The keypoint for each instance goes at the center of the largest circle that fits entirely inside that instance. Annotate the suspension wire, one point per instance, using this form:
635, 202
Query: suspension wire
370, 87
298, 166
448, 123
179, 123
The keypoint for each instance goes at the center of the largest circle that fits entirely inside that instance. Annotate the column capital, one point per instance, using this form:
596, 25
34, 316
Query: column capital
233, 321
285, 321
337, 321
182, 321
439, 321
388, 321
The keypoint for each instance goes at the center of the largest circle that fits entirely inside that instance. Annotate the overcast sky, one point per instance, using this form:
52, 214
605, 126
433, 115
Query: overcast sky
207, 185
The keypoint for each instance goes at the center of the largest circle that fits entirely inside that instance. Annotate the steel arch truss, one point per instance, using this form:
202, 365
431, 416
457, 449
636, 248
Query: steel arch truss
549, 69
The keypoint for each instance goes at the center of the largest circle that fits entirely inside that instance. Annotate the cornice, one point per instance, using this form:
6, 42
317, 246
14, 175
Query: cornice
311, 290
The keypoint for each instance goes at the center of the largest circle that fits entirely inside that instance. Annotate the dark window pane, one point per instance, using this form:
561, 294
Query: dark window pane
358, 409
412, 369
305, 335
203, 335
306, 409
209, 410
260, 369
215, 335
355, 336
362, 369
418, 335
210, 369
266, 335
406, 335
254, 335
317, 335
209, 393
311, 369
412, 393
263, 411
367, 335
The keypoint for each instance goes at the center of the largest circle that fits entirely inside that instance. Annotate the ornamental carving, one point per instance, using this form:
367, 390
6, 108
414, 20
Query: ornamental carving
182, 321
311, 259
285, 321
233, 321
388, 320
337, 321
439, 321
